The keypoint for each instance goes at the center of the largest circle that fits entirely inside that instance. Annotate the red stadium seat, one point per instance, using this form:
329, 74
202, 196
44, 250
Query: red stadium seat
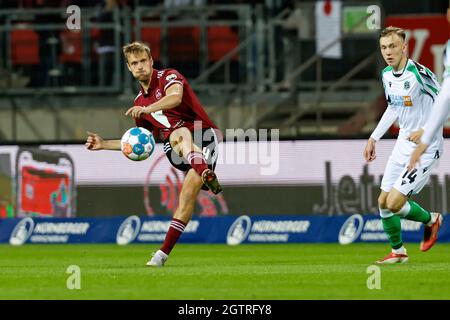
95, 33
24, 47
152, 36
72, 46
221, 40
184, 44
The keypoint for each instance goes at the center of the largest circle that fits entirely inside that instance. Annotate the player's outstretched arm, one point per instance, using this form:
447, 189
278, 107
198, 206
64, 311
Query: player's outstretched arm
416, 155
386, 121
415, 136
438, 117
95, 142
434, 123
369, 150
440, 113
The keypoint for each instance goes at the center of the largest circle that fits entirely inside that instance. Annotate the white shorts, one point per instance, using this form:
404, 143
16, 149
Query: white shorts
397, 176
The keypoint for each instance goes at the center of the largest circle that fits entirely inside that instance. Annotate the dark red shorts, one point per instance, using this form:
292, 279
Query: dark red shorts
206, 139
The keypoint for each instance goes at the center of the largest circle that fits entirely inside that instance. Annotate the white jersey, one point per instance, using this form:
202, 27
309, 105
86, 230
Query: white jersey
447, 60
442, 106
410, 96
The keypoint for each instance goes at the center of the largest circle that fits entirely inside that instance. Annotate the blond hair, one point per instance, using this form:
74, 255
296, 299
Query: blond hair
134, 48
389, 30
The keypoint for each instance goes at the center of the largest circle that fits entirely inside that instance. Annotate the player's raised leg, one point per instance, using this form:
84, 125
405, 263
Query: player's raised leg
188, 195
183, 144
412, 182
411, 210
392, 228
430, 234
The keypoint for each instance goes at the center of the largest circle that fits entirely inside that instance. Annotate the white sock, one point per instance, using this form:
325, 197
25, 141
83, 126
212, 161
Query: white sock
385, 213
404, 210
433, 219
401, 250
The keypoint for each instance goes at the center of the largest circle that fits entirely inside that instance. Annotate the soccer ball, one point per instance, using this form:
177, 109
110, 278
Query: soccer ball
137, 144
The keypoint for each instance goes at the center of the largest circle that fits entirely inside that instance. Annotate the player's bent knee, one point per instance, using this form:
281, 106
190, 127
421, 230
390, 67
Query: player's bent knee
395, 201
382, 201
382, 205
394, 206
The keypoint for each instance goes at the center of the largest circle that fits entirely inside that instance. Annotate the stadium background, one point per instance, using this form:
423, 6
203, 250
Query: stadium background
254, 65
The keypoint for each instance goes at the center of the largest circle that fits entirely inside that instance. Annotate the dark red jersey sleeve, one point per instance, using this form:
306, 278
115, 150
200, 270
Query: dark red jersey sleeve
171, 77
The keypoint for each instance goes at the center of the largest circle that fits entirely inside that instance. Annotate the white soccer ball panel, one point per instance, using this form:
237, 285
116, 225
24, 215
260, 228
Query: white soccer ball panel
137, 143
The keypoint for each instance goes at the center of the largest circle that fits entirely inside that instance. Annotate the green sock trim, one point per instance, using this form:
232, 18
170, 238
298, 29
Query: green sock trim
393, 229
417, 213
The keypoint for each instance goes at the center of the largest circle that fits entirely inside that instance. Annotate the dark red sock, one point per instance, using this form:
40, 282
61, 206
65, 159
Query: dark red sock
175, 230
197, 162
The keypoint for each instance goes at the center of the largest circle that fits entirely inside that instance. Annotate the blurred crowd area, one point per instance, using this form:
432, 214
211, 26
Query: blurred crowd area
391, 7
30, 4
38, 54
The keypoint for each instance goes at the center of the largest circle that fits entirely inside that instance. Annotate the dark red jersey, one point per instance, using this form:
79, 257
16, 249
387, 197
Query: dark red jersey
183, 115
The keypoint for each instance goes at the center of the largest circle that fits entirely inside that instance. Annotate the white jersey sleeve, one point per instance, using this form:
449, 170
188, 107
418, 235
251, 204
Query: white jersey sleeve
386, 121
441, 108
447, 60
427, 79
440, 113
388, 118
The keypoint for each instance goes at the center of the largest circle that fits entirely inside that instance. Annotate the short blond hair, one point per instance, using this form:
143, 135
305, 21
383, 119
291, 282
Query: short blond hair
389, 30
135, 47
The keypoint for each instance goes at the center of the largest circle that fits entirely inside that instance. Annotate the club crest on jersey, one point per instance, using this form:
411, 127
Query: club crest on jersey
158, 94
390, 84
171, 77
406, 85
407, 102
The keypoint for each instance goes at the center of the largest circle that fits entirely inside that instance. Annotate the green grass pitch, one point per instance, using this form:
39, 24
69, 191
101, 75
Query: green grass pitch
284, 271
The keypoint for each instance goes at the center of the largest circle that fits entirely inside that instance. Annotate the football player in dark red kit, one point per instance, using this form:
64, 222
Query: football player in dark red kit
167, 105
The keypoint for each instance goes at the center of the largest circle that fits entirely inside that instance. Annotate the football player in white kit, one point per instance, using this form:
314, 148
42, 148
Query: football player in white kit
441, 111
410, 90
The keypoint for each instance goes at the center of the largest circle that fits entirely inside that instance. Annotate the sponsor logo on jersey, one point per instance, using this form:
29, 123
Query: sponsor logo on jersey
407, 101
400, 101
171, 77
396, 100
